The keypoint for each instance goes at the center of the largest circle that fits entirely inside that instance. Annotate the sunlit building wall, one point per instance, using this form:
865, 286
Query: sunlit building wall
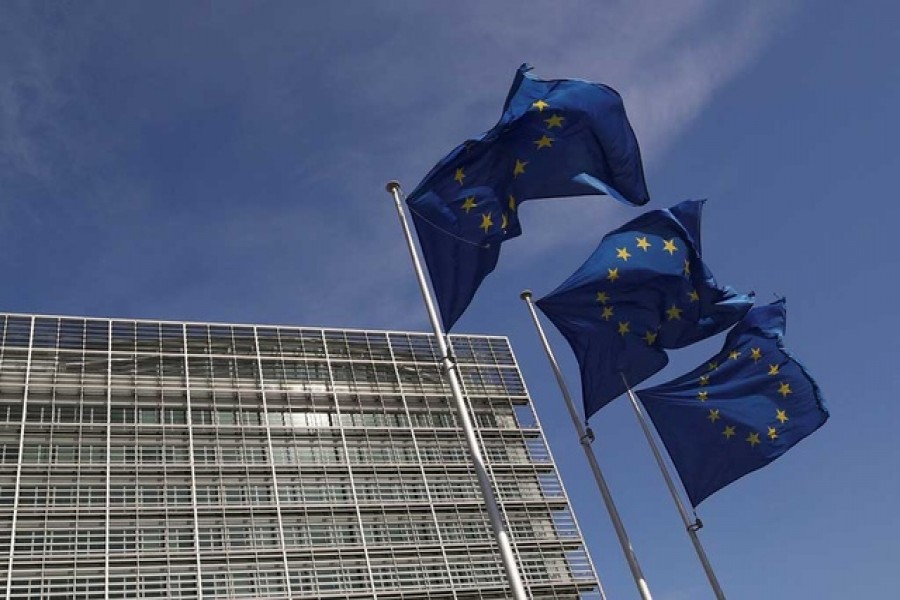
144, 459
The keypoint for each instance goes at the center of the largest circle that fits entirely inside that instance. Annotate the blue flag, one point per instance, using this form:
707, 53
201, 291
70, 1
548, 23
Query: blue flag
739, 411
645, 288
560, 137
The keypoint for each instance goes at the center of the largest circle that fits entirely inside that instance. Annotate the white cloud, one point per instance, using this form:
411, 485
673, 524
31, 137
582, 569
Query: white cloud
672, 84
330, 106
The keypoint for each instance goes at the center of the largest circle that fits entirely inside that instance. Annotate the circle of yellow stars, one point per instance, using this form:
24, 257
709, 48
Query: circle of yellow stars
713, 415
546, 141
642, 245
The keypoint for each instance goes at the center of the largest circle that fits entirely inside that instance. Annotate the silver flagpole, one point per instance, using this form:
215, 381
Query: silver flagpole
586, 437
449, 367
690, 526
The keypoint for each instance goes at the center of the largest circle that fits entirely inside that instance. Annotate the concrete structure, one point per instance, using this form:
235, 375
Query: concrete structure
144, 459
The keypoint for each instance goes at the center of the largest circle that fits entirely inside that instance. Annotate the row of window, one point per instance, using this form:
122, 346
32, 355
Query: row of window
230, 417
379, 528
477, 572
250, 451
130, 336
162, 584
298, 398
404, 527
99, 371
292, 490
420, 571
263, 585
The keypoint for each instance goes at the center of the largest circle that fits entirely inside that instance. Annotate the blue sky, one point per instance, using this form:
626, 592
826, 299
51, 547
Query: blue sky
226, 161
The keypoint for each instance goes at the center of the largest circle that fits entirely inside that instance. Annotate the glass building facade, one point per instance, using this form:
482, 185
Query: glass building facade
143, 459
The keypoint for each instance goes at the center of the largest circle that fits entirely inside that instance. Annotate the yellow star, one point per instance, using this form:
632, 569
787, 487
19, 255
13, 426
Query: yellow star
544, 142
687, 267
674, 313
607, 313
781, 415
772, 434
460, 175
784, 389
704, 380
486, 222
773, 370
519, 169
650, 337
512, 203
540, 105
613, 274
703, 396
469, 204
713, 415
713, 366
504, 221
602, 297
669, 246
622, 253
554, 121
755, 354
624, 327
642, 243
753, 439
694, 296
729, 431
734, 354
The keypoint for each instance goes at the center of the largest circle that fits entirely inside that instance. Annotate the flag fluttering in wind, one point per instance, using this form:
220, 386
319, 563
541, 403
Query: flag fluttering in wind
740, 410
644, 289
561, 137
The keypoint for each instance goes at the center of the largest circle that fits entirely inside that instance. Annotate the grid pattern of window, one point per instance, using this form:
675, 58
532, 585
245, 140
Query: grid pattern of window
186, 460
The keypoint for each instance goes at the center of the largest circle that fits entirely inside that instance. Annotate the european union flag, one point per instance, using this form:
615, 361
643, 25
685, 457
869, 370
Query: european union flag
645, 288
559, 137
740, 410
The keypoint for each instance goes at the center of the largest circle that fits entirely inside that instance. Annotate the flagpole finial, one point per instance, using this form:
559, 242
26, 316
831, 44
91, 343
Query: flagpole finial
392, 186
525, 295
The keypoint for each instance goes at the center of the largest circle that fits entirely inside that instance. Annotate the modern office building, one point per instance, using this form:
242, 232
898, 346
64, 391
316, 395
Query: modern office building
144, 459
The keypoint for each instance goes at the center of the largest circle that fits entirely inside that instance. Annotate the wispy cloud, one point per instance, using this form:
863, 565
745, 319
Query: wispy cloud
261, 135
668, 64
673, 82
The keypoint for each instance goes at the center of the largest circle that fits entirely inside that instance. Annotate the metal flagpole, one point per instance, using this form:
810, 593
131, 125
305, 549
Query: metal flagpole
690, 526
450, 369
586, 436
